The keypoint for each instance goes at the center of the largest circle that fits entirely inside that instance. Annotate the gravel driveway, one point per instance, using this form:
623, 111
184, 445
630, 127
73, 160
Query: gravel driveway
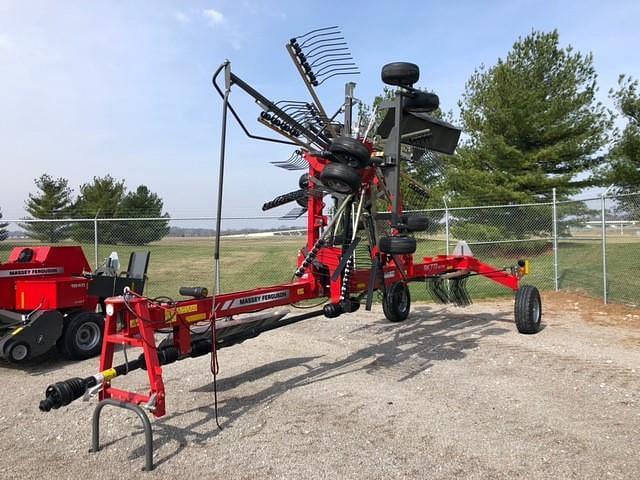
449, 393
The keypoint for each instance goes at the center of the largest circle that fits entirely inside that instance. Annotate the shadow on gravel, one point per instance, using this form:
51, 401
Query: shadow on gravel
43, 365
405, 349
50, 362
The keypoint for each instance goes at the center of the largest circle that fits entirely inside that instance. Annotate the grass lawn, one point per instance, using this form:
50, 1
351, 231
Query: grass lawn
250, 262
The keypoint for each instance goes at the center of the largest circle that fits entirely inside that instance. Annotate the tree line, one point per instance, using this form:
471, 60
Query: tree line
104, 198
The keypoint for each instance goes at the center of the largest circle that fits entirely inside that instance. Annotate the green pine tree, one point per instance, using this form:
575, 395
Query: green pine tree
532, 123
52, 202
623, 169
143, 203
101, 198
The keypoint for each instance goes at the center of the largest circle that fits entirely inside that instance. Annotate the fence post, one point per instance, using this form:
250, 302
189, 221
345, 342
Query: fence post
95, 240
554, 213
446, 224
603, 218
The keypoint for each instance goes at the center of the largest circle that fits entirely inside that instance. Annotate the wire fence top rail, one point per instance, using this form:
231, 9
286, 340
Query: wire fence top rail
129, 219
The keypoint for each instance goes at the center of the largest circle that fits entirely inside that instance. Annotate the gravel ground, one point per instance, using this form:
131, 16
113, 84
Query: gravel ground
449, 393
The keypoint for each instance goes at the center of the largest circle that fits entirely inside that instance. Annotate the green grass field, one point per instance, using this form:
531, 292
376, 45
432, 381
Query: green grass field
251, 262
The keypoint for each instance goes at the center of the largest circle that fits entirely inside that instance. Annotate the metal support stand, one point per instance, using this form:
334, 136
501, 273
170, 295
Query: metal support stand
148, 433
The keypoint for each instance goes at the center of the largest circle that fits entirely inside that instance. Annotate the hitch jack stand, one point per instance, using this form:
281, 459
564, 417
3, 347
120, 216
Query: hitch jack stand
148, 433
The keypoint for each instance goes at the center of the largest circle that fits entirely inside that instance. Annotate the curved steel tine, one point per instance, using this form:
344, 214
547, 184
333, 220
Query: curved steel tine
316, 30
332, 65
331, 57
289, 102
336, 74
292, 107
332, 50
310, 54
319, 35
338, 69
322, 40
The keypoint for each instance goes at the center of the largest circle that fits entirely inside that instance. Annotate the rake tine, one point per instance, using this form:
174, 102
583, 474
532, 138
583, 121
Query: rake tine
322, 40
317, 63
336, 74
309, 54
314, 31
320, 74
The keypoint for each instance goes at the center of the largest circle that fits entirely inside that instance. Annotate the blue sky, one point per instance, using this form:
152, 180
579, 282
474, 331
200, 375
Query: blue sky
123, 87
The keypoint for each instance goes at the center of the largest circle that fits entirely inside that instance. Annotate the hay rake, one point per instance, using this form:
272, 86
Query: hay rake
348, 176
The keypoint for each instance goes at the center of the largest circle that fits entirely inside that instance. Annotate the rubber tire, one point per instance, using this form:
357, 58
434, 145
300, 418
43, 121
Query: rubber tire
528, 309
397, 245
67, 343
401, 74
303, 182
415, 223
392, 302
342, 176
351, 152
422, 102
14, 361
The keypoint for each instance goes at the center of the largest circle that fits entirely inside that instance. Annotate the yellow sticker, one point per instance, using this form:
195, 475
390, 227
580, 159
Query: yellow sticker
198, 317
109, 374
133, 323
300, 291
187, 308
360, 286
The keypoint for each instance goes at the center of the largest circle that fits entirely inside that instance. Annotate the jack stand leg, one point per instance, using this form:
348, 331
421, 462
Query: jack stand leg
148, 433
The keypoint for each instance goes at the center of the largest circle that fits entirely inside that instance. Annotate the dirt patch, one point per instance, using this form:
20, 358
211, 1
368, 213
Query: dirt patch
593, 310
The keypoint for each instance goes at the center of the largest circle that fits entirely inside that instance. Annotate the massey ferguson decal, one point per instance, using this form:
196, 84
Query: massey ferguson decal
27, 272
253, 300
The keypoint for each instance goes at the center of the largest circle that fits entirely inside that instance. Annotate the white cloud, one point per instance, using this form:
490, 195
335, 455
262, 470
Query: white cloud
214, 16
182, 17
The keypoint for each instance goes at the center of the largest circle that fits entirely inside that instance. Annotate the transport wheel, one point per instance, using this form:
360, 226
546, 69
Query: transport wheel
415, 223
340, 178
18, 353
528, 309
399, 244
82, 336
350, 151
401, 74
397, 302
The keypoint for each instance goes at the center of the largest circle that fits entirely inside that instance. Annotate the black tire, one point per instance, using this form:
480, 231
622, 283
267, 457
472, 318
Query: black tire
81, 336
340, 178
351, 152
18, 353
303, 182
528, 309
415, 223
397, 245
422, 102
402, 74
396, 303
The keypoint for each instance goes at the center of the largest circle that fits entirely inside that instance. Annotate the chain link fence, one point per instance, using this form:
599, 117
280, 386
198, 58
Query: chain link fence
590, 246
